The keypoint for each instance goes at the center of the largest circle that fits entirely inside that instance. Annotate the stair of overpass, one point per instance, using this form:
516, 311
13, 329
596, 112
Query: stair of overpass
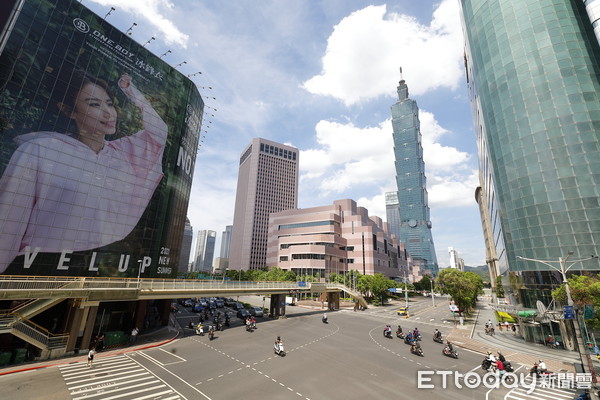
17, 322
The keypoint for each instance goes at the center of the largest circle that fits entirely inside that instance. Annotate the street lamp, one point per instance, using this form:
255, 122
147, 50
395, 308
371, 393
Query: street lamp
139, 270
562, 262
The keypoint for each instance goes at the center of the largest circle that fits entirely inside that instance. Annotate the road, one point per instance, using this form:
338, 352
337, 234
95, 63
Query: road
348, 358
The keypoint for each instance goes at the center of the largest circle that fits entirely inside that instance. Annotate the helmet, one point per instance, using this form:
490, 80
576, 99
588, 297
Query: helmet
489, 353
541, 361
278, 338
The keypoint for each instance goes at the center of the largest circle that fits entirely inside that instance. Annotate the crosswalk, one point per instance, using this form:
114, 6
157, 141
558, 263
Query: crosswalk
541, 392
115, 377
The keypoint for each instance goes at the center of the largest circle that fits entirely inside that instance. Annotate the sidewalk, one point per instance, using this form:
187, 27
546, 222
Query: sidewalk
471, 336
154, 338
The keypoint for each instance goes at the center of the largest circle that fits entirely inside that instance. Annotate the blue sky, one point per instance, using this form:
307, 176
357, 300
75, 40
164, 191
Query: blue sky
322, 76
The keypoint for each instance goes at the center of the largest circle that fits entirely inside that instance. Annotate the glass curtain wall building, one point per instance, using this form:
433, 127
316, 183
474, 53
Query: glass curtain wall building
415, 225
533, 73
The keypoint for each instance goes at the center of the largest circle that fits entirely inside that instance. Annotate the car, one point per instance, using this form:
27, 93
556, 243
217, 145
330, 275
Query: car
198, 307
220, 303
243, 313
229, 302
256, 311
238, 306
188, 303
212, 305
402, 311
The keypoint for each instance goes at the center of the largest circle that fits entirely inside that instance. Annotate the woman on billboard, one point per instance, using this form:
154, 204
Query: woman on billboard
73, 192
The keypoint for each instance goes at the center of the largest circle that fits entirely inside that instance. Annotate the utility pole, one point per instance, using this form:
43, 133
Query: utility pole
405, 291
562, 262
432, 298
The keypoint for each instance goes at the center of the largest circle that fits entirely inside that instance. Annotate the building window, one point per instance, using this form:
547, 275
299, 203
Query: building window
283, 258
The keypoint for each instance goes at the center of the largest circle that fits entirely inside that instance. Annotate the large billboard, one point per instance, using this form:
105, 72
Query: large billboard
98, 141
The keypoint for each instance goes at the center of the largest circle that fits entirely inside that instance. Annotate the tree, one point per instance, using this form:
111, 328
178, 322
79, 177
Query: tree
462, 286
584, 290
424, 284
499, 288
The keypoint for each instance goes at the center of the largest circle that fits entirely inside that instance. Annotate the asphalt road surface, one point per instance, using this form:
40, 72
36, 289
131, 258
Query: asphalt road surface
348, 358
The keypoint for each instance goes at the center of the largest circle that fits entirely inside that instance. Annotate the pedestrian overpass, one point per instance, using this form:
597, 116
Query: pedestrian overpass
38, 294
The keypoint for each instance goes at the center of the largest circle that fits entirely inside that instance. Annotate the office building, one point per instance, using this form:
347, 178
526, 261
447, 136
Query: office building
186, 248
533, 79
455, 261
226, 242
392, 213
267, 183
337, 238
413, 211
205, 251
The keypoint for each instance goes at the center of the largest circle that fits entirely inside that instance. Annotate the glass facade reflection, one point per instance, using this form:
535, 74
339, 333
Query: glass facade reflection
533, 75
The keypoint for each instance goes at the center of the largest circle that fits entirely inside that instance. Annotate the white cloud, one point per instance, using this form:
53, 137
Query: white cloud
367, 47
153, 12
456, 190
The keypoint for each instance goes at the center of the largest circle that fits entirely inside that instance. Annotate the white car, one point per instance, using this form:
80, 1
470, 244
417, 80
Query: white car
256, 311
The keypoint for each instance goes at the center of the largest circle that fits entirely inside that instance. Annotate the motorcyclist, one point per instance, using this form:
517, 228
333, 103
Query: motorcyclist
437, 334
409, 337
199, 329
449, 346
324, 317
501, 358
277, 342
414, 345
388, 330
416, 333
542, 367
399, 330
253, 322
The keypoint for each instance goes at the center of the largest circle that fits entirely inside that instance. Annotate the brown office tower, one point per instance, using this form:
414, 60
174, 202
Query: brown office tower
267, 183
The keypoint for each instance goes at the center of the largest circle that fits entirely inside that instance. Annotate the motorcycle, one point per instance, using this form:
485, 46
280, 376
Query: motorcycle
400, 335
211, 334
324, 319
417, 350
407, 340
486, 364
279, 349
508, 367
489, 330
438, 339
227, 322
387, 333
447, 352
249, 328
417, 337
200, 330
535, 370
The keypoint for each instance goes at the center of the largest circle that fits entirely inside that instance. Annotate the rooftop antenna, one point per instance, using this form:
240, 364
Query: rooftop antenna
149, 40
110, 11
130, 28
401, 78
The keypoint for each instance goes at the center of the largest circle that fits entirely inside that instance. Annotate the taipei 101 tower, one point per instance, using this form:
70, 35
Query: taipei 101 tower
414, 229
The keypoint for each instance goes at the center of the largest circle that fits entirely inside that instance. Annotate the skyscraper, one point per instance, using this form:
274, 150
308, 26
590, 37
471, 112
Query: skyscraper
226, 242
205, 250
392, 213
267, 183
415, 226
533, 77
186, 248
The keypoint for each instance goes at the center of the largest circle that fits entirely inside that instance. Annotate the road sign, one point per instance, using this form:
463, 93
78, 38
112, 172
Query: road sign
569, 312
588, 311
301, 284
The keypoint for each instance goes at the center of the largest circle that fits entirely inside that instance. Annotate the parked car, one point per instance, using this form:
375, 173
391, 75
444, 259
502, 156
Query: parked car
256, 311
220, 303
212, 305
188, 303
238, 306
243, 313
198, 307
229, 302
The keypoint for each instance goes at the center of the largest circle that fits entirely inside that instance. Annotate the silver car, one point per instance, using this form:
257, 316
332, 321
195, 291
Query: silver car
256, 311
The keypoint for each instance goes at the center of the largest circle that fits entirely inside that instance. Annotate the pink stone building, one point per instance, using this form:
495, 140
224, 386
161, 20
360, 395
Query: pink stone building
334, 239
